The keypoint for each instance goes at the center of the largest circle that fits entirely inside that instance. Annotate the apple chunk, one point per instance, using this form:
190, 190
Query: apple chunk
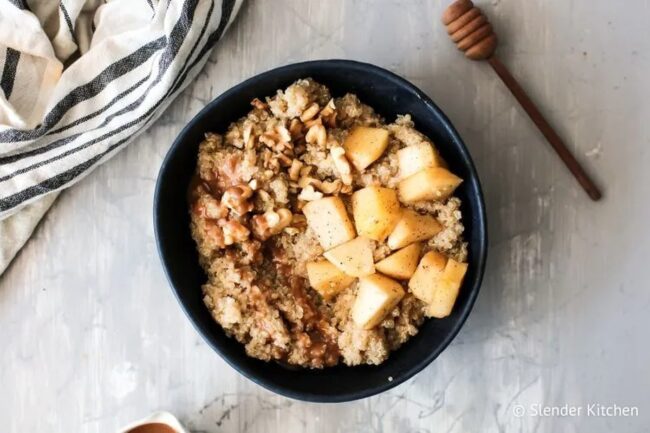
364, 145
417, 157
377, 296
401, 264
447, 290
354, 257
412, 227
427, 275
376, 210
329, 219
434, 183
327, 279
437, 282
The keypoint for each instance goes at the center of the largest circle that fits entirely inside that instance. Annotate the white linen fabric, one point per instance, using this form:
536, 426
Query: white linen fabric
78, 80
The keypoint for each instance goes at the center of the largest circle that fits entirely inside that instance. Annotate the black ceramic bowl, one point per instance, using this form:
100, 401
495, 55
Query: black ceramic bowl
389, 95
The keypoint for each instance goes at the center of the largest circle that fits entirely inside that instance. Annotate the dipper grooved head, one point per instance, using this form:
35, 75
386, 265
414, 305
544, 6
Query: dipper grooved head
470, 30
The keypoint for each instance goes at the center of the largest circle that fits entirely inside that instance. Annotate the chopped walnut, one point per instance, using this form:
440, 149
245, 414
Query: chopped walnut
309, 194
332, 187
284, 134
295, 128
325, 187
310, 112
236, 198
317, 135
285, 219
309, 123
209, 207
328, 114
305, 181
215, 234
306, 170
285, 161
299, 221
294, 170
259, 104
329, 109
247, 136
271, 223
346, 189
268, 139
342, 164
233, 231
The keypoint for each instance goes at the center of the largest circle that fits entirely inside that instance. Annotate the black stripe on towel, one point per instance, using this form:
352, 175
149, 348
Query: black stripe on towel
68, 21
94, 114
177, 37
87, 91
226, 12
37, 150
20, 4
194, 47
9, 71
62, 179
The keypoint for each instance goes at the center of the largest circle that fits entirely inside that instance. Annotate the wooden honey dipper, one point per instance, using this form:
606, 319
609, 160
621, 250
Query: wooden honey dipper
473, 34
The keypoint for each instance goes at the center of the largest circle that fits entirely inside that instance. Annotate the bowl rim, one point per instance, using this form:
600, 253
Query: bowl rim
481, 218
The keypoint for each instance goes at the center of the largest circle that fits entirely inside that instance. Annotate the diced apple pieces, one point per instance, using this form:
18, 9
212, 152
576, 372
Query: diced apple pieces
417, 157
329, 219
377, 296
412, 227
355, 258
437, 282
364, 145
376, 210
435, 183
327, 279
402, 264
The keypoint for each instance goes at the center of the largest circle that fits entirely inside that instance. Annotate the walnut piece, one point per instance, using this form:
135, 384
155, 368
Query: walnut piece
271, 223
342, 164
317, 135
309, 194
233, 231
284, 134
328, 114
295, 128
225, 232
329, 109
259, 104
236, 198
325, 187
332, 187
209, 207
310, 112
294, 170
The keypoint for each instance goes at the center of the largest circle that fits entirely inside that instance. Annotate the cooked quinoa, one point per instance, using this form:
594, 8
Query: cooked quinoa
253, 241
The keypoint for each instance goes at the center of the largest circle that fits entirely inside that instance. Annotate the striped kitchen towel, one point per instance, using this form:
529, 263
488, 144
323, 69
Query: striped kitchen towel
79, 79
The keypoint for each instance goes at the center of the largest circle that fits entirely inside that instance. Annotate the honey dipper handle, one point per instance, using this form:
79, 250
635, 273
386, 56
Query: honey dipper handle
554, 140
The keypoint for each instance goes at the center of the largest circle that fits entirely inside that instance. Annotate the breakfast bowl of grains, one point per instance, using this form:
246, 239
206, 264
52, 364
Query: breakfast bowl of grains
323, 227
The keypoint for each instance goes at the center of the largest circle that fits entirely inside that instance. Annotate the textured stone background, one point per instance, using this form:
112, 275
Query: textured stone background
92, 337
